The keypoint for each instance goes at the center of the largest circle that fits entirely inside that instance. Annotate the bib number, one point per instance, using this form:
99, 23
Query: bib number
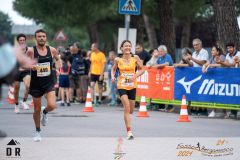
43, 69
126, 82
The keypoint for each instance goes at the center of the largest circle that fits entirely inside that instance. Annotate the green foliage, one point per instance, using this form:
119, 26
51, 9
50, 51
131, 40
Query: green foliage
238, 7
150, 9
5, 26
72, 15
196, 9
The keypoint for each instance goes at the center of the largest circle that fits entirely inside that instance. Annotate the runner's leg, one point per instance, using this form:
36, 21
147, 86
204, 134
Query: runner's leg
26, 81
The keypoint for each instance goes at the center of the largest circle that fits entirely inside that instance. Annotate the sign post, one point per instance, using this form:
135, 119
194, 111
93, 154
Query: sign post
127, 24
60, 37
129, 7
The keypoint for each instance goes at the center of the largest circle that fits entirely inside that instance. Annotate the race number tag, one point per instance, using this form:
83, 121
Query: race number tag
126, 82
43, 69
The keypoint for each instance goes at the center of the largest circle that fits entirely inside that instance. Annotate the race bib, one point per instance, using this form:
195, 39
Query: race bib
43, 69
126, 82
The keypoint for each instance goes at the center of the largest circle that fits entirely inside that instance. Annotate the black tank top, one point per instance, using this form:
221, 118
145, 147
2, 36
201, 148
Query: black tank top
43, 77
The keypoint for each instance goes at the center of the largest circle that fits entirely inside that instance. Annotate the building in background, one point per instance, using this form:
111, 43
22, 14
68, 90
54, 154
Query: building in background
28, 30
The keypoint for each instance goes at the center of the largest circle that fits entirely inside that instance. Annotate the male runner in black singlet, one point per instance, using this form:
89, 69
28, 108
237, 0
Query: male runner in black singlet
42, 81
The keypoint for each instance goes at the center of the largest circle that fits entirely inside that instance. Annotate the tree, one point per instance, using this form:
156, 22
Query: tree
150, 31
151, 20
82, 14
226, 22
5, 27
187, 12
167, 28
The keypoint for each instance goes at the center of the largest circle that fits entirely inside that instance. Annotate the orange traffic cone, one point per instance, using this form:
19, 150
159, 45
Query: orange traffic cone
88, 104
184, 112
143, 108
11, 99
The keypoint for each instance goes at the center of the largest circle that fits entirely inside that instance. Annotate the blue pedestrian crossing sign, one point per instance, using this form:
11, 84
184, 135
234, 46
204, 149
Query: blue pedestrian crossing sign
130, 7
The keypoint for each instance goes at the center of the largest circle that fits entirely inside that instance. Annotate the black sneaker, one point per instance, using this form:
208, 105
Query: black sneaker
62, 104
68, 104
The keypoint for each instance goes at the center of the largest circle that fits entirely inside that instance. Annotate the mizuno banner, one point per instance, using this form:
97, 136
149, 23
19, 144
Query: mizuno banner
218, 85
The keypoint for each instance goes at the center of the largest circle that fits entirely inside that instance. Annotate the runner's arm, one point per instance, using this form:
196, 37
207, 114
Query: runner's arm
114, 68
56, 57
140, 67
30, 54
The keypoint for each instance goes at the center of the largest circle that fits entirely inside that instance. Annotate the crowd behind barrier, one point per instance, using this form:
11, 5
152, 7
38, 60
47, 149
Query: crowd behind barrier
214, 89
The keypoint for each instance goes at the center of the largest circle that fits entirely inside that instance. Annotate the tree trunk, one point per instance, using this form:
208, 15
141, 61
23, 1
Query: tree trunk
167, 28
186, 32
226, 22
115, 42
137, 22
151, 33
93, 32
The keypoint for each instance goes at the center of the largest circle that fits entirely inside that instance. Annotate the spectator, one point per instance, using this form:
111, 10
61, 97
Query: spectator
143, 54
77, 68
84, 77
163, 60
153, 60
64, 81
217, 55
200, 55
185, 60
232, 57
151, 52
98, 61
112, 86
232, 60
198, 59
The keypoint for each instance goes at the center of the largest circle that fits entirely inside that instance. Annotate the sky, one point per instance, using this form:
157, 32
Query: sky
6, 7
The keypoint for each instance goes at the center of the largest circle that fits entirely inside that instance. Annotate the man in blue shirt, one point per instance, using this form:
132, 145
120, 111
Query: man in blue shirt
164, 59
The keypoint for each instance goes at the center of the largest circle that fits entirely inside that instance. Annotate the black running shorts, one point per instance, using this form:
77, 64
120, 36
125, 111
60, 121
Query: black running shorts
130, 93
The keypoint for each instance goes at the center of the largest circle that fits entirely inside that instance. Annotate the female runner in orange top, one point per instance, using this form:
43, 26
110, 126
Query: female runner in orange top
127, 82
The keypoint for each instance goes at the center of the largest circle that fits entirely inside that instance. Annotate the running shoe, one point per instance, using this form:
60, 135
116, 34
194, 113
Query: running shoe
37, 137
44, 119
24, 105
130, 135
16, 109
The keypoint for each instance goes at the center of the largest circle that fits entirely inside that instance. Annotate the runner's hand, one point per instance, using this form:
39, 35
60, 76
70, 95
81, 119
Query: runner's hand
25, 61
133, 78
34, 67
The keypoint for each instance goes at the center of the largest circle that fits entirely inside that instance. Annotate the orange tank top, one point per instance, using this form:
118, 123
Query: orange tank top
127, 70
